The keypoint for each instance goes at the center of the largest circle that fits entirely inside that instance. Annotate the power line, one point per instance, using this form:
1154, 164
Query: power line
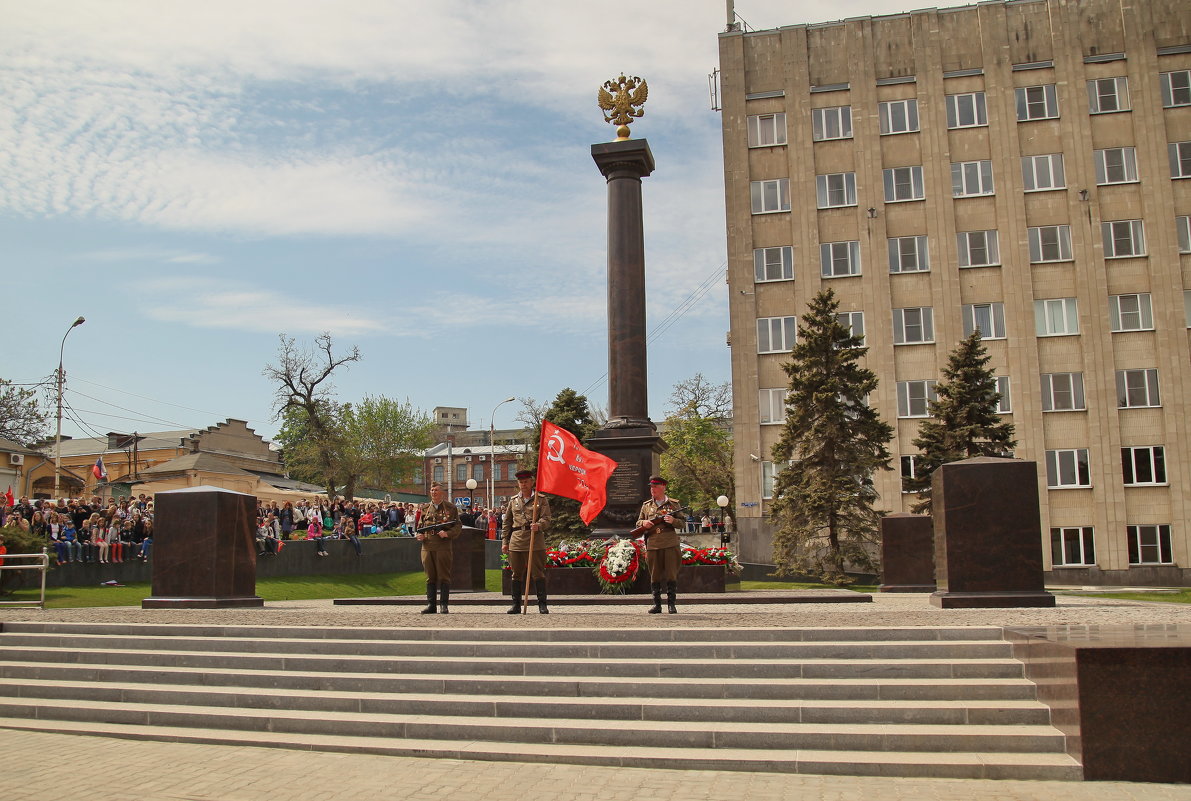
144, 417
145, 397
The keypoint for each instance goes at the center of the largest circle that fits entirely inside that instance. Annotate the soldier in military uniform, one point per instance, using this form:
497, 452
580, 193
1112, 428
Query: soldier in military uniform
519, 530
436, 549
662, 551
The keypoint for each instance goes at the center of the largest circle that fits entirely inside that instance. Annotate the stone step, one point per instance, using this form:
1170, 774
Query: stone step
873, 668
447, 705
667, 734
609, 635
960, 765
892, 649
899, 689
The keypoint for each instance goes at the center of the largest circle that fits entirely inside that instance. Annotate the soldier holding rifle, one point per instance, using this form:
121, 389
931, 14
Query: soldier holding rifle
662, 516
439, 525
524, 540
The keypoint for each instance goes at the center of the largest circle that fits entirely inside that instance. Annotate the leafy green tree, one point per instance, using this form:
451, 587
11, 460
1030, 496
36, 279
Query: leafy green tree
963, 420
823, 507
22, 419
570, 411
698, 431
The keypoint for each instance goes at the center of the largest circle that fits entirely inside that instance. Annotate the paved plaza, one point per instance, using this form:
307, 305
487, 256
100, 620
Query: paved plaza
40, 766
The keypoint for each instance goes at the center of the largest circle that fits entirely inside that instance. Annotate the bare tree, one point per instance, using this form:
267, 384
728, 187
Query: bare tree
303, 381
698, 397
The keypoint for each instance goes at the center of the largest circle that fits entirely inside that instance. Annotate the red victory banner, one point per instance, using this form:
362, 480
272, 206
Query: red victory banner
568, 469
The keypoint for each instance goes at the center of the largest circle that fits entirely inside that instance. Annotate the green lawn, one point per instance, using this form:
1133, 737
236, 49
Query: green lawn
1182, 596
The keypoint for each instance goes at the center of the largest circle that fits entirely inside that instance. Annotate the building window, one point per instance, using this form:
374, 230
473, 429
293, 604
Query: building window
1187, 306
772, 403
1149, 545
1116, 165
1056, 317
1183, 224
771, 196
987, 318
836, 190
1137, 389
769, 472
1037, 103
854, 322
966, 110
1062, 392
909, 471
419, 475
1049, 243
913, 326
1123, 239
1106, 95
914, 398
909, 254
1180, 159
477, 471
1043, 173
773, 264
1176, 88
775, 334
1131, 312
767, 129
838, 259
903, 183
1067, 469
1144, 466
496, 471
831, 123
970, 178
978, 249
898, 116
461, 472
1072, 545
1004, 395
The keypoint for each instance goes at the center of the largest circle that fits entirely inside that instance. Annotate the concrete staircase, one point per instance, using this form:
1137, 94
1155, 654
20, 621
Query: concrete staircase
887, 702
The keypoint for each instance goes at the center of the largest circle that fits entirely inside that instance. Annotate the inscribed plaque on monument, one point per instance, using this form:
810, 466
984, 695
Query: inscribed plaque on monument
625, 484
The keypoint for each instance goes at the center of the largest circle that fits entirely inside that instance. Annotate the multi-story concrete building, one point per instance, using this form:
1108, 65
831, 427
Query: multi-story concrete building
1017, 167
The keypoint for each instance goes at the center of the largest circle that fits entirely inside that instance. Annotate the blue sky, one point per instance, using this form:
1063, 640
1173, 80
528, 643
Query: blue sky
415, 178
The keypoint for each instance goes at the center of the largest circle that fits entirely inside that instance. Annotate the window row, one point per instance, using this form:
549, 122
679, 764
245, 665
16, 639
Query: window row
914, 325
1121, 239
476, 471
1075, 546
969, 109
1116, 165
1143, 466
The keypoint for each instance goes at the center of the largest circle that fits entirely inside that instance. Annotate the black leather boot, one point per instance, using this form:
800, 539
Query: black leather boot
671, 593
656, 609
516, 587
431, 600
444, 597
539, 586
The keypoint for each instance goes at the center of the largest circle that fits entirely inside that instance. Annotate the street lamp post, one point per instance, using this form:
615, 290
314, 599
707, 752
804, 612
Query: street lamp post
471, 485
722, 502
58, 436
492, 452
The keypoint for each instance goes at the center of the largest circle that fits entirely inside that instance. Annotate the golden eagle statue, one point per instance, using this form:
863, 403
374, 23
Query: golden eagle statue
621, 100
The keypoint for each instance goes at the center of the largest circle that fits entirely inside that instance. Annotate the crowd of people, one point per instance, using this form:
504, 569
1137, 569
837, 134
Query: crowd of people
80, 530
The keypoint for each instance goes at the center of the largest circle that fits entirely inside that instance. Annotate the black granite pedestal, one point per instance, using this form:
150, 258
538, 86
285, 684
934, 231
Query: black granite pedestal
988, 535
204, 550
907, 553
467, 561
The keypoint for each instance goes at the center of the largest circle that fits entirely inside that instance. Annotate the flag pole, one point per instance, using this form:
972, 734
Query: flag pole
533, 520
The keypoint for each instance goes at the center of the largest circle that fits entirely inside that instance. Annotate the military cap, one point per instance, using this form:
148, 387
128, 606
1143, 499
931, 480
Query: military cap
526, 474
658, 480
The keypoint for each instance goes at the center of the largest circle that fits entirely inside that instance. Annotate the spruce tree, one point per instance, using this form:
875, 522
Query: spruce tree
823, 507
570, 411
963, 420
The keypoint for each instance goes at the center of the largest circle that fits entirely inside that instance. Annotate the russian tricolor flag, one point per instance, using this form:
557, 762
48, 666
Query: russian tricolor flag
99, 471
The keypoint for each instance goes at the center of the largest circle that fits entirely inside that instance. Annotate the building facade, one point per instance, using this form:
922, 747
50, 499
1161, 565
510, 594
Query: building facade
1020, 168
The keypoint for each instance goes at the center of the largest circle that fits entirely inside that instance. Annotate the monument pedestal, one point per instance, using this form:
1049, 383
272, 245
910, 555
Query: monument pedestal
467, 565
635, 451
907, 553
988, 535
204, 550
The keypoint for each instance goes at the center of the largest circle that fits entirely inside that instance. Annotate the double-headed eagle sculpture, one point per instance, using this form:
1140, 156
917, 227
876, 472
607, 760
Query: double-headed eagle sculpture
621, 100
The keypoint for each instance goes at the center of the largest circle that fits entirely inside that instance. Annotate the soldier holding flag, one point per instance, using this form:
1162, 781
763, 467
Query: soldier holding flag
524, 540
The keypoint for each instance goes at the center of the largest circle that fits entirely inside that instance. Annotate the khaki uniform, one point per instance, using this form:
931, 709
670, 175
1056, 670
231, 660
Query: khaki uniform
662, 551
436, 550
516, 535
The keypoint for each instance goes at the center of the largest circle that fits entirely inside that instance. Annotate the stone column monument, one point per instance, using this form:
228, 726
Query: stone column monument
629, 436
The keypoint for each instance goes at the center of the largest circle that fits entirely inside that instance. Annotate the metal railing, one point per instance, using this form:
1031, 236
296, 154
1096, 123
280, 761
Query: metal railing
42, 565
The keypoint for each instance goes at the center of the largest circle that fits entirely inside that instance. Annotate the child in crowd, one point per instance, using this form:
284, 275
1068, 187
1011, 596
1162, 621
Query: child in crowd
314, 531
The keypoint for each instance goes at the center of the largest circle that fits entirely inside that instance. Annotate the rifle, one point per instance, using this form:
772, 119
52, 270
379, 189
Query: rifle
639, 530
435, 527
